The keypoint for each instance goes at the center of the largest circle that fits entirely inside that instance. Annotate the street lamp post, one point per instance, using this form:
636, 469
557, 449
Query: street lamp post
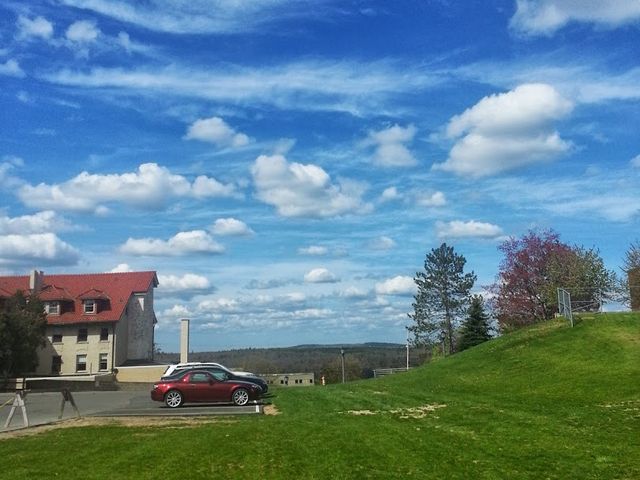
342, 356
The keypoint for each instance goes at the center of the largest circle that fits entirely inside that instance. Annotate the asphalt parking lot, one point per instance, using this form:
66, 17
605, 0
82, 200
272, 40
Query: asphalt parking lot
44, 408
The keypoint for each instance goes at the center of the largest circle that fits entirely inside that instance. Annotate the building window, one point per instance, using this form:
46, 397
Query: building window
104, 334
140, 299
56, 364
82, 334
81, 363
90, 306
103, 361
52, 308
56, 338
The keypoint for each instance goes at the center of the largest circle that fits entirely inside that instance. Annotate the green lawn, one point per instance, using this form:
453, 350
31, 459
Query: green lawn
546, 402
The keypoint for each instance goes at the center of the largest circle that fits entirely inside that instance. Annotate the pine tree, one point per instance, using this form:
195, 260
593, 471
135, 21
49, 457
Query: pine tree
475, 329
442, 297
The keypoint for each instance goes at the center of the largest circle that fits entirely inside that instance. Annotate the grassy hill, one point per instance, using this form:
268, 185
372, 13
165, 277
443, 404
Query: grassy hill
546, 402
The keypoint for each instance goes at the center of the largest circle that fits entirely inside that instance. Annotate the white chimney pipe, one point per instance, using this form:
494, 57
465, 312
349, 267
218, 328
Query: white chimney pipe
184, 340
35, 280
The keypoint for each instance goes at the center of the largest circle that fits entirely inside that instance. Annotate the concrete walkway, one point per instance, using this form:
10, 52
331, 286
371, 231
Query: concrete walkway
44, 408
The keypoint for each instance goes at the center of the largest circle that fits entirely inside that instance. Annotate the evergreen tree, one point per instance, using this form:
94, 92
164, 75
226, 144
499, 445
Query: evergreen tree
23, 326
475, 329
442, 297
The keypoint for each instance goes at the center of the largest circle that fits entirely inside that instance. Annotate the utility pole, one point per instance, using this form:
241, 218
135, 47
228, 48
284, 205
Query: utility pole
407, 348
342, 355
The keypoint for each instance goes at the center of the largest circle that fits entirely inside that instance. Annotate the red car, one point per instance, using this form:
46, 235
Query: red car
203, 386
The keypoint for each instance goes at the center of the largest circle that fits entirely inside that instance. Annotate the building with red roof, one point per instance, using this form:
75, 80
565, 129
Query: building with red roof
95, 322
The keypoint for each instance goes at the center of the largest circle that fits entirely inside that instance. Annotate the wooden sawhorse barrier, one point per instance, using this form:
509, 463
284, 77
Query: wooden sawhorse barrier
19, 402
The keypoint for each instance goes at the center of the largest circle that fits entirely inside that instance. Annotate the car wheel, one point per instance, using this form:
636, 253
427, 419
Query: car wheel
173, 399
240, 397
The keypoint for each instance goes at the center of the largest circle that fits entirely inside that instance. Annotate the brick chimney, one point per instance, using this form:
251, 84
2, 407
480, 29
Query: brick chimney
35, 280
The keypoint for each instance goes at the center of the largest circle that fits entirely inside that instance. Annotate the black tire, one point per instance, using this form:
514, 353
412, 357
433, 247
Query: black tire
173, 399
240, 397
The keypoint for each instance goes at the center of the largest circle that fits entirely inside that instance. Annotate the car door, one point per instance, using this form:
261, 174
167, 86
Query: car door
193, 385
207, 388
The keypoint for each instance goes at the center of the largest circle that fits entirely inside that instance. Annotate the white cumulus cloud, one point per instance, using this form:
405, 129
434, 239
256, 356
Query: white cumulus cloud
11, 68
354, 293
389, 194
36, 248
313, 250
82, 31
382, 243
183, 243
41, 222
298, 190
230, 227
460, 229
391, 146
215, 130
507, 131
320, 275
545, 17
435, 199
37, 27
635, 161
398, 285
121, 267
187, 285
150, 187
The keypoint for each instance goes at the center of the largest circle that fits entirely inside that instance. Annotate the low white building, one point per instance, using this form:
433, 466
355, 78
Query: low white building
95, 322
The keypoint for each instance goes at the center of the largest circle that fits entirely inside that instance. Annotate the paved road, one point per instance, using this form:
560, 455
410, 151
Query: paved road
43, 408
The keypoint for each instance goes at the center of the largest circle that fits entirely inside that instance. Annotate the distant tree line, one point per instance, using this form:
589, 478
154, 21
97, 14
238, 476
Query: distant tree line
322, 360
446, 315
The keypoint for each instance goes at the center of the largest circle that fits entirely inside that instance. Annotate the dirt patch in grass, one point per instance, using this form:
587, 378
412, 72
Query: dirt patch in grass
362, 412
411, 412
271, 410
417, 412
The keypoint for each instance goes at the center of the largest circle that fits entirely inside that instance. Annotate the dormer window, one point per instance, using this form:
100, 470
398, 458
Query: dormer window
90, 306
52, 308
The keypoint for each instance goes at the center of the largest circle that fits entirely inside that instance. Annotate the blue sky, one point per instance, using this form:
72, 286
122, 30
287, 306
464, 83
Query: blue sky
285, 165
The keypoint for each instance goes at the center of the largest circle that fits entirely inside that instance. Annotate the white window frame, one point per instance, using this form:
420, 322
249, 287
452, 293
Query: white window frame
106, 362
93, 303
48, 308
78, 362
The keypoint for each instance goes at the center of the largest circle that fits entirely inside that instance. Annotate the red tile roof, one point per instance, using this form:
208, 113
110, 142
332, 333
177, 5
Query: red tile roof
53, 292
113, 289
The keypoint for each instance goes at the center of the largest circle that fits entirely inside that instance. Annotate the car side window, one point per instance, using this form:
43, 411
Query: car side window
199, 377
219, 375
